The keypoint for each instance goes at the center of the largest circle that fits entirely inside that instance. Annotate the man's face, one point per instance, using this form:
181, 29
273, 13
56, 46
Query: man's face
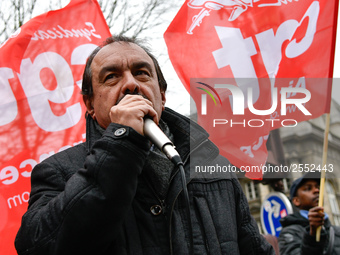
118, 69
307, 196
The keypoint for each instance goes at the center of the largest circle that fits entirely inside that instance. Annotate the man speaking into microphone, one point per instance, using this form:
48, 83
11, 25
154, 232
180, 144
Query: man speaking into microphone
118, 193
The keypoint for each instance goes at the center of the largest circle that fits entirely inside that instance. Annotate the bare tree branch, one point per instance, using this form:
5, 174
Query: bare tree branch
17, 13
122, 16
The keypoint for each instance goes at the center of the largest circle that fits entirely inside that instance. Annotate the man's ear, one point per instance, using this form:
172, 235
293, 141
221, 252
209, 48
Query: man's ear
89, 105
296, 201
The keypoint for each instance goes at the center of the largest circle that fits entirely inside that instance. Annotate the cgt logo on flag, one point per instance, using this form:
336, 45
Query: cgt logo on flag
237, 7
279, 60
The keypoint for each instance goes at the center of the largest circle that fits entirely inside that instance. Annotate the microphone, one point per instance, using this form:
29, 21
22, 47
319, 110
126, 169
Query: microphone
156, 135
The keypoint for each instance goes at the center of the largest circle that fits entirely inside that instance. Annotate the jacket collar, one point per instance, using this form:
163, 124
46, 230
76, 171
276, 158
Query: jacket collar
93, 132
188, 135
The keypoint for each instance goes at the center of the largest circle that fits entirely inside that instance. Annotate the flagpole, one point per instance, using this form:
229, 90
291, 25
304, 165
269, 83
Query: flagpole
328, 117
323, 171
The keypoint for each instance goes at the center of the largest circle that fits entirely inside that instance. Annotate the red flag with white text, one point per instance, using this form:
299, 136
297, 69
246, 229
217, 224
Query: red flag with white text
41, 68
253, 66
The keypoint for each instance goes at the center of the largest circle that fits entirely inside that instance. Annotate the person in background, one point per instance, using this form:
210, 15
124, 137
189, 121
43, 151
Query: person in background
298, 235
117, 193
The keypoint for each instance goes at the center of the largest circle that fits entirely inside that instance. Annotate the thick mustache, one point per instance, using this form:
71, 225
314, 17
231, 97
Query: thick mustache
137, 94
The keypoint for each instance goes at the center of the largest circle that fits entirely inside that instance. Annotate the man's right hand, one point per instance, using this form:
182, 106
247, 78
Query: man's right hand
131, 110
316, 217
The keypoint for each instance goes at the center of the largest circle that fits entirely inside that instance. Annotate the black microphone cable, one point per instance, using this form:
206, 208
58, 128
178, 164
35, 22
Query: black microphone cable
156, 135
178, 162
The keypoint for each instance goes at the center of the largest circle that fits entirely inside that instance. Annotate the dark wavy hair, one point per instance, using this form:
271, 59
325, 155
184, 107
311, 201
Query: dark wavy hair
87, 75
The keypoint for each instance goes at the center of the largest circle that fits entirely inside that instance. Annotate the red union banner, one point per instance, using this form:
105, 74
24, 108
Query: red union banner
253, 66
41, 68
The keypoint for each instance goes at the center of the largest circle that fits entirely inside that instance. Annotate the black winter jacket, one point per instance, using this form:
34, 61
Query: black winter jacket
94, 199
294, 238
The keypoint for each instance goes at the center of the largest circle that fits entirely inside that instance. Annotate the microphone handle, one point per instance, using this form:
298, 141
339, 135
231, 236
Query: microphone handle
156, 135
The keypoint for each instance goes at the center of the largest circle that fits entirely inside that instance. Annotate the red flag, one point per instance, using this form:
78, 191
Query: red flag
41, 68
268, 61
